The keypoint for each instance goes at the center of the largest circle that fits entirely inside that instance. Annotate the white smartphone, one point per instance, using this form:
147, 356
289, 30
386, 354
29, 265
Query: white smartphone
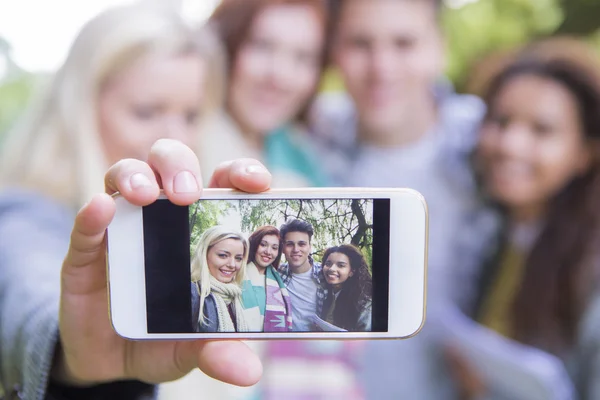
331, 263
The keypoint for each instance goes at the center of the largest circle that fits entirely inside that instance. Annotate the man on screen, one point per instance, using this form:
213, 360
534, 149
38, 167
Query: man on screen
301, 274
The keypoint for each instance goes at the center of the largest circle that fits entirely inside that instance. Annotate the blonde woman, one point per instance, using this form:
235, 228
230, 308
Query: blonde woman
135, 79
218, 268
133, 75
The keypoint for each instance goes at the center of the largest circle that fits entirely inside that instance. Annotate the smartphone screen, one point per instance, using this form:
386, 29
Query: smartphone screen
291, 265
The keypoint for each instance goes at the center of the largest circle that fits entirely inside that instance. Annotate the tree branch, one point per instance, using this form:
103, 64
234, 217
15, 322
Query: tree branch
194, 217
362, 223
300, 209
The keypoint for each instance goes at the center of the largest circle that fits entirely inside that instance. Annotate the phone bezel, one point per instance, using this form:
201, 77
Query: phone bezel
409, 231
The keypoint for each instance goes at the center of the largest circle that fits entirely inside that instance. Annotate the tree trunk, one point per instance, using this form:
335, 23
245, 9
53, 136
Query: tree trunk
300, 209
362, 223
194, 217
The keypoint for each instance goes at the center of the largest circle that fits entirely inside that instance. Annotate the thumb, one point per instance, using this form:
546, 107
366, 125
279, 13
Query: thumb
84, 268
230, 361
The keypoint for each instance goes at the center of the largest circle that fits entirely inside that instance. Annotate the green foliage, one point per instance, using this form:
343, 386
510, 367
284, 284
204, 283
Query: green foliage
334, 221
15, 94
595, 41
484, 26
473, 31
331, 82
581, 16
203, 215
16, 89
476, 29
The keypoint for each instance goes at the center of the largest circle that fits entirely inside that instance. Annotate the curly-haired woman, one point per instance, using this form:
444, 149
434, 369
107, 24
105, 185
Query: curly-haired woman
348, 304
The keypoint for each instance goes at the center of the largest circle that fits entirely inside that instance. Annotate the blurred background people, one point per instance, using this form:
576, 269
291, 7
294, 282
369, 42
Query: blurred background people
133, 75
388, 118
100, 107
399, 124
537, 160
275, 57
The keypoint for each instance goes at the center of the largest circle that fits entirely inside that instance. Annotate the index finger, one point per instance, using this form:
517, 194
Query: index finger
244, 174
133, 179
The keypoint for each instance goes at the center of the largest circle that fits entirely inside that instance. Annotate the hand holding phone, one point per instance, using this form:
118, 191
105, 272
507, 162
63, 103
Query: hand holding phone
282, 264
90, 351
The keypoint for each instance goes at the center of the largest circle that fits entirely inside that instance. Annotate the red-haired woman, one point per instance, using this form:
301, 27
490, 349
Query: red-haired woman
264, 296
276, 54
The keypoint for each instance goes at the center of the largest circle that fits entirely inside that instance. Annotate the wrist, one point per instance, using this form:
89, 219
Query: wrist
62, 374
111, 390
65, 385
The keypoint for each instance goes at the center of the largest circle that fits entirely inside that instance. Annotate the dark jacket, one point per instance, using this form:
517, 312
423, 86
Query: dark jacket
346, 315
211, 317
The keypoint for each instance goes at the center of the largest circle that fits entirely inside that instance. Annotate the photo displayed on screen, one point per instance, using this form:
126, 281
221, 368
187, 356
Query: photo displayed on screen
281, 265
285, 265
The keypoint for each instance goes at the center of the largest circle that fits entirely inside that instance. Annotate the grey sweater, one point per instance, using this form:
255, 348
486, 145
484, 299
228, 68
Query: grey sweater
34, 238
479, 240
437, 166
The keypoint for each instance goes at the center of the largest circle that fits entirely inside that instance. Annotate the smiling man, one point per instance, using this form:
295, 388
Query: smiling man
302, 276
401, 124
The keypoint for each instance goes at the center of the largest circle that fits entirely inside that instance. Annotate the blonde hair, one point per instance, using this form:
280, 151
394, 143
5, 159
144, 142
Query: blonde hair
57, 147
199, 265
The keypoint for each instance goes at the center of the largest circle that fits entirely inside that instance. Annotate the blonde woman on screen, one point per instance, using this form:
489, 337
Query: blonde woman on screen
218, 267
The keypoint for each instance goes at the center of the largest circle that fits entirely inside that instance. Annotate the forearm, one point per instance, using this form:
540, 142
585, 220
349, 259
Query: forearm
34, 240
31, 251
29, 337
30, 344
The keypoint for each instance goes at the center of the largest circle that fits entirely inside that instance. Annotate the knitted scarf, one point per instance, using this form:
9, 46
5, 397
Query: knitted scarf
226, 294
278, 314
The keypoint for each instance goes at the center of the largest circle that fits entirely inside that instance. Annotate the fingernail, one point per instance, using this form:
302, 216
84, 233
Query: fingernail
255, 169
185, 182
139, 180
